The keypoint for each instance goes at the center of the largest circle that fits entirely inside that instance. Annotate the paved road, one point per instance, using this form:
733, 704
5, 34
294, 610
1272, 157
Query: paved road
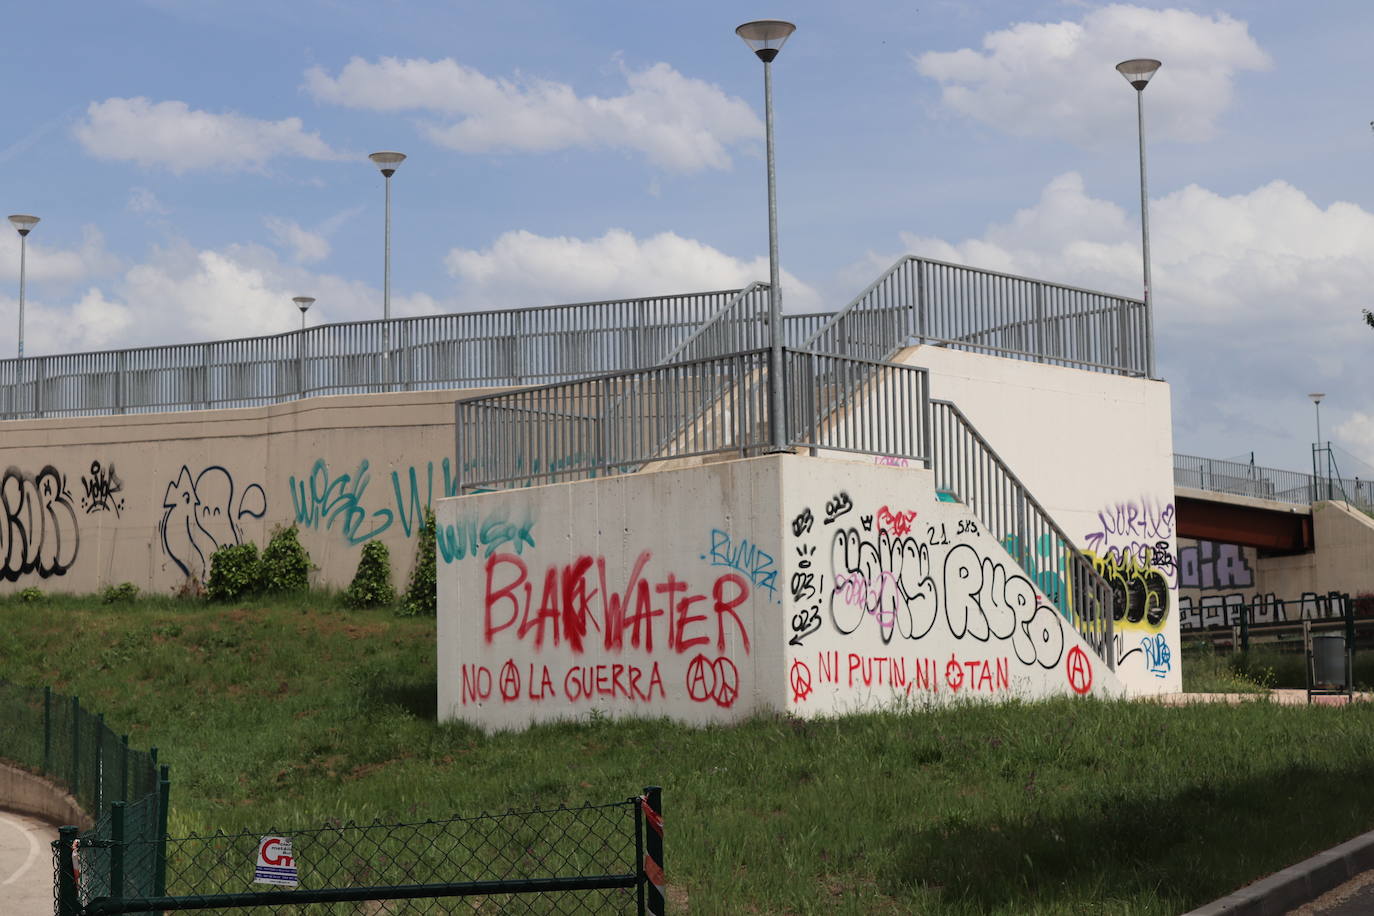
25, 865
1353, 898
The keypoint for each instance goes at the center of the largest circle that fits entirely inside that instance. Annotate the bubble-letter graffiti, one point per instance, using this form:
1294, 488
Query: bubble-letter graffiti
201, 514
38, 531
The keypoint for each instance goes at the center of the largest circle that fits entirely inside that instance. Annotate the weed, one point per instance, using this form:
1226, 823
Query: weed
371, 585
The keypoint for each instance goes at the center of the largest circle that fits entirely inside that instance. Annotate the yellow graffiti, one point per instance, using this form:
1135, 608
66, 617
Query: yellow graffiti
1140, 593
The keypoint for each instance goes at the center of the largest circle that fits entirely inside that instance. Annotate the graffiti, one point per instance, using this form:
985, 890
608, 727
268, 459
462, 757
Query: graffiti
1140, 593
891, 461
838, 505
802, 523
897, 522
743, 556
201, 515
1208, 566
578, 683
1214, 611
323, 498
102, 490
575, 598
799, 679
1142, 522
1158, 656
38, 530
1046, 566
855, 670
713, 681
473, 536
892, 580
1079, 671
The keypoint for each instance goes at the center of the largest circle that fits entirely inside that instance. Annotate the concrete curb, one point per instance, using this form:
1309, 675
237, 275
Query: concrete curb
1297, 884
31, 794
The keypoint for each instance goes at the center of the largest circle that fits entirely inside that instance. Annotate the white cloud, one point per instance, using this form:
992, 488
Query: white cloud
1257, 297
1058, 79
679, 123
306, 246
46, 264
144, 201
183, 139
524, 269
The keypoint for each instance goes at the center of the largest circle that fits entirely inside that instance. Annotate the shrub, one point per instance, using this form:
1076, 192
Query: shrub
234, 572
122, 593
371, 585
30, 594
285, 563
421, 598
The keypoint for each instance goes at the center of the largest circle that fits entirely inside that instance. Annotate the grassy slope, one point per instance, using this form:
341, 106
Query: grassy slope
294, 714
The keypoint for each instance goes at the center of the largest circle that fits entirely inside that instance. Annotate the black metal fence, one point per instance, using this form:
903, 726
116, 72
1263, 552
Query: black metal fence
591, 859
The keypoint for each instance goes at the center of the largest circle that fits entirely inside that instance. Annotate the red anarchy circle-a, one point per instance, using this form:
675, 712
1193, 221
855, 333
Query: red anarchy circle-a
701, 680
510, 681
1079, 670
801, 681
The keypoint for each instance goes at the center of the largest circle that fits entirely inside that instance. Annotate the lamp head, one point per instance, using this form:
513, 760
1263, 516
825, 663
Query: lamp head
23, 223
1317, 397
388, 161
303, 302
1138, 71
765, 37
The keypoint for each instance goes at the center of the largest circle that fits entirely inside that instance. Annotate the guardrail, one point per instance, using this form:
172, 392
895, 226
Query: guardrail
622, 422
1238, 478
919, 300
470, 349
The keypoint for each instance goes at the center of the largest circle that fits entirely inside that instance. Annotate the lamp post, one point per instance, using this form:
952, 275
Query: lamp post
1138, 73
765, 37
23, 224
1316, 474
302, 303
387, 162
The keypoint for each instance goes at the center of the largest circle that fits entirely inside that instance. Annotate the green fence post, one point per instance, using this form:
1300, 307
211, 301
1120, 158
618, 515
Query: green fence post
99, 763
76, 749
652, 865
124, 770
117, 850
68, 899
47, 731
164, 791
1245, 627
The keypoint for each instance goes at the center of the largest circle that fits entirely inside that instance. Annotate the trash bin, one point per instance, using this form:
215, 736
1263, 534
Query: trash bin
1328, 662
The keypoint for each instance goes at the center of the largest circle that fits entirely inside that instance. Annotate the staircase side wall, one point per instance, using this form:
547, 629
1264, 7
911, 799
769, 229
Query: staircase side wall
1096, 451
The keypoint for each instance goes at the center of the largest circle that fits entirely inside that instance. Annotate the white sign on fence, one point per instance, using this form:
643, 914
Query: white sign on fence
276, 864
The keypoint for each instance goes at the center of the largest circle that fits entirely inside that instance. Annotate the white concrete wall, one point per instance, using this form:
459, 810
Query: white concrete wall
707, 594
1096, 451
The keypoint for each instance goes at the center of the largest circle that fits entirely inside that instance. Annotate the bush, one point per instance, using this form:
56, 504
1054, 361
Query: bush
422, 598
122, 593
234, 572
30, 594
285, 563
371, 585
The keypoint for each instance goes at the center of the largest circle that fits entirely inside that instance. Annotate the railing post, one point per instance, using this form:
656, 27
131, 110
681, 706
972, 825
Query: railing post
205, 366
1245, 626
922, 304
603, 433
124, 770
117, 851
47, 731
653, 853
164, 792
68, 895
38, 385
121, 367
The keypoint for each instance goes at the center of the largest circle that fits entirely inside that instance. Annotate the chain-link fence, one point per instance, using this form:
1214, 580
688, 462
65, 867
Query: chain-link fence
589, 859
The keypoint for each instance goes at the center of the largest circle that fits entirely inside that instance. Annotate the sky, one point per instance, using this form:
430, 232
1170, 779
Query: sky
197, 163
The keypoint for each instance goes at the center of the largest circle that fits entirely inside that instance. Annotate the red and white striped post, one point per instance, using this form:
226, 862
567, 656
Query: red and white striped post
651, 802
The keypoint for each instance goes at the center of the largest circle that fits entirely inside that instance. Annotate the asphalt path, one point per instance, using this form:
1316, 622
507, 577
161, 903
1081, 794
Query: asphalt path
25, 865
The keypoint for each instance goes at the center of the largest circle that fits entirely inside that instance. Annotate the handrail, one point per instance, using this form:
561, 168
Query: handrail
992, 491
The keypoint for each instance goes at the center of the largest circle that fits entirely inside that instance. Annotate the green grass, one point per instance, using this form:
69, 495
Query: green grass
298, 713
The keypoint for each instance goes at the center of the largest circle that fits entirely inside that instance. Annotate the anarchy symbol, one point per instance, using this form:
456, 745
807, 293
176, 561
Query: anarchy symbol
713, 680
1079, 670
800, 678
510, 681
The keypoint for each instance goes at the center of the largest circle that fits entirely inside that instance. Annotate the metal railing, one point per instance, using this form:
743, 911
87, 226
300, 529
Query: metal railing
1238, 478
54, 735
967, 468
919, 300
589, 859
623, 422
471, 349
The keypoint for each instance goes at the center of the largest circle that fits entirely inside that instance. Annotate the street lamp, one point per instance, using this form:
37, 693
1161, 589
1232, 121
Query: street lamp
23, 224
1316, 475
1138, 73
387, 162
302, 303
765, 37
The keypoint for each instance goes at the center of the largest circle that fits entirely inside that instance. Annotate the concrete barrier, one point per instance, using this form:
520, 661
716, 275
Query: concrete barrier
31, 794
